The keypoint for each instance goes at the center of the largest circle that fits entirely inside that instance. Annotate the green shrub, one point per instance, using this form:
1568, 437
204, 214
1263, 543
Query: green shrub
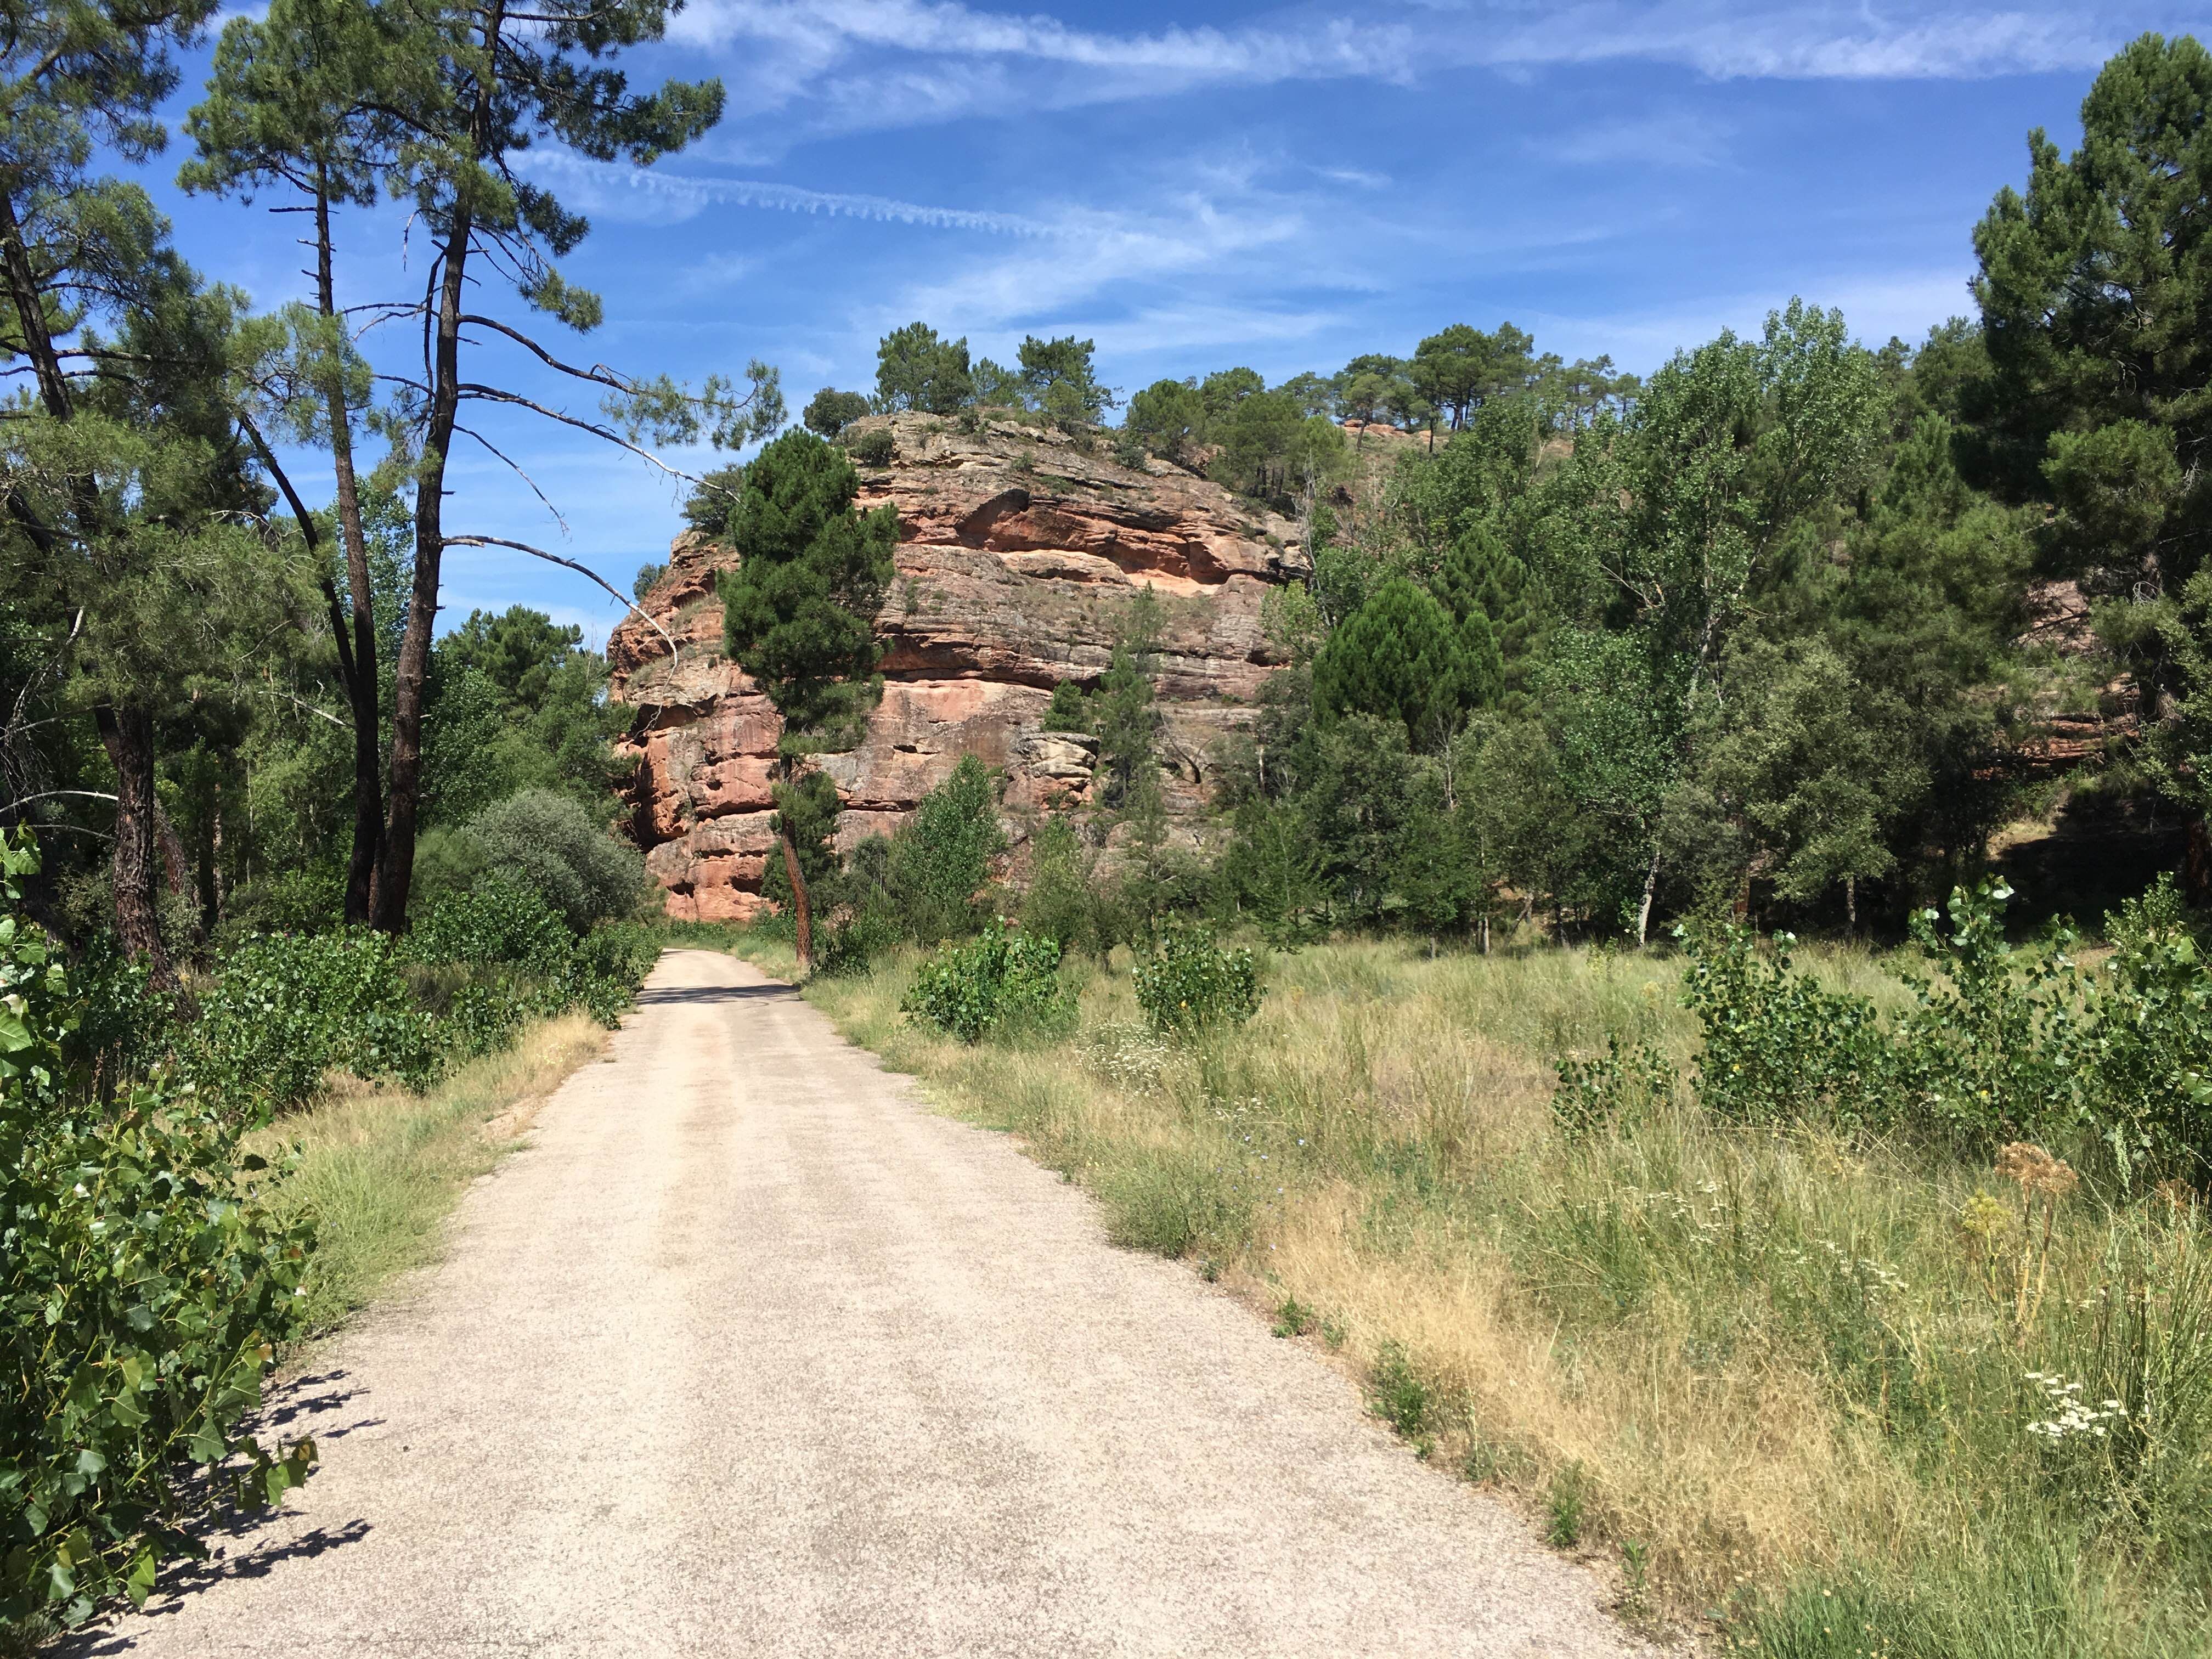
997, 983
303, 901
121, 1026
925, 881
874, 447
1779, 1046
1060, 901
496, 921
1187, 981
2002, 1041
941, 855
524, 961
284, 1010
551, 844
144, 1287
1613, 1091
607, 966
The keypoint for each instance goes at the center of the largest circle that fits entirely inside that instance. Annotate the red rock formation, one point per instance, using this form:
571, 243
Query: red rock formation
1019, 551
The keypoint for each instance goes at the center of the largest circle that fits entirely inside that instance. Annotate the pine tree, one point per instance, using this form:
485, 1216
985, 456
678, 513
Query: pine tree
1402, 656
298, 100
1481, 576
798, 615
474, 87
74, 248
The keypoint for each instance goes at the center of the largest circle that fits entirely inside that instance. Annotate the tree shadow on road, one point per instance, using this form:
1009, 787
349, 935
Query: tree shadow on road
656, 996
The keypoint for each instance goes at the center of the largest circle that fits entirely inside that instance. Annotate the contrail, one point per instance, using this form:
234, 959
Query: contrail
786, 198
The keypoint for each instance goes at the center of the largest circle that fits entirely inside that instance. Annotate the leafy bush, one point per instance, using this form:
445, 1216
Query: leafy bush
498, 921
1615, 1090
525, 961
995, 984
1060, 901
2002, 1042
1188, 982
874, 447
925, 881
941, 855
550, 843
144, 1287
1778, 1046
2145, 1036
284, 1010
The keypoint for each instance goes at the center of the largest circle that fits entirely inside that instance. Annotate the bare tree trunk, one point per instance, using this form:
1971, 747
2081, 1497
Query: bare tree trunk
801, 910
395, 862
127, 732
1651, 888
1850, 906
210, 863
362, 689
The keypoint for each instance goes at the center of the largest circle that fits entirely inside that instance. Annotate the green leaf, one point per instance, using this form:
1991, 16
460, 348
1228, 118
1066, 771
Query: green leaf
138, 1581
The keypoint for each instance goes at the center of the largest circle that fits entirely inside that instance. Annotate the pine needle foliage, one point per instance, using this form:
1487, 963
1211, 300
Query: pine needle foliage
799, 611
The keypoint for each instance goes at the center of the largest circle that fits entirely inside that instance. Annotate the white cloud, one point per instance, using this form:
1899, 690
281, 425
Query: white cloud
857, 65
1094, 249
1679, 140
1816, 42
1336, 47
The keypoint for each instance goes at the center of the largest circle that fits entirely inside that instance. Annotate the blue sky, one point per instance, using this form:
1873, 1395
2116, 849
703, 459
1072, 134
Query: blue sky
1195, 187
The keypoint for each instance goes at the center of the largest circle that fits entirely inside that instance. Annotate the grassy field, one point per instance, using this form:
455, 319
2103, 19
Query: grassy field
381, 1167
1785, 1382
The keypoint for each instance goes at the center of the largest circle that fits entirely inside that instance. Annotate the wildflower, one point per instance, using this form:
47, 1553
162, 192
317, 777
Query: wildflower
1983, 1221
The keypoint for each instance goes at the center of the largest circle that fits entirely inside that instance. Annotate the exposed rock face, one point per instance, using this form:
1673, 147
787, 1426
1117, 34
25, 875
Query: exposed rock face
1018, 555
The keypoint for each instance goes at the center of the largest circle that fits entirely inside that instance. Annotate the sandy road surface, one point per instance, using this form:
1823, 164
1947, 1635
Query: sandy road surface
749, 1353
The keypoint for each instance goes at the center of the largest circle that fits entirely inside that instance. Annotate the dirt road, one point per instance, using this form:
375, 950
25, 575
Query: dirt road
751, 1353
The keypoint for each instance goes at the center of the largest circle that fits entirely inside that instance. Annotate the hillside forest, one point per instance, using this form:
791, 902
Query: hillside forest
1794, 633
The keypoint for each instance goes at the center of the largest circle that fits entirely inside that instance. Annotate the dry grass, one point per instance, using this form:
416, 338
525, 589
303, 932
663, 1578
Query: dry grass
1757, 1367
381, 1167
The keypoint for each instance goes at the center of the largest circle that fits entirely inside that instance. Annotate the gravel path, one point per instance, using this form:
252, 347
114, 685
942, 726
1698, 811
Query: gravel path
749, 1353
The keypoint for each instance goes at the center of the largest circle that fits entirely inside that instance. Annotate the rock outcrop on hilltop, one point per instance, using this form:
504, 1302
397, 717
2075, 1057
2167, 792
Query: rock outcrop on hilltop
1019, 551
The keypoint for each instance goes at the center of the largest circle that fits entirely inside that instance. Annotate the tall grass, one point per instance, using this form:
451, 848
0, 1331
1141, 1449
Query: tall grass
1789, 1378
381, 1167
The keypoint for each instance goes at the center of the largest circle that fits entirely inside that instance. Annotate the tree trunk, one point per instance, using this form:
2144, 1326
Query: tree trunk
801, 910
2196, 862
1651, 888
395, 862
1850, 906
128, 734
174, 865
210, 863
37, 340
362, 689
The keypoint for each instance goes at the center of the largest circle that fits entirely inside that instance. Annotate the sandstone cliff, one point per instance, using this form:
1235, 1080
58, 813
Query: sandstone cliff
1019, 550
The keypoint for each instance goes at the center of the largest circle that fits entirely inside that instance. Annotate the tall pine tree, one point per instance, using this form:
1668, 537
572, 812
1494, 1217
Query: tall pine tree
798, 615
